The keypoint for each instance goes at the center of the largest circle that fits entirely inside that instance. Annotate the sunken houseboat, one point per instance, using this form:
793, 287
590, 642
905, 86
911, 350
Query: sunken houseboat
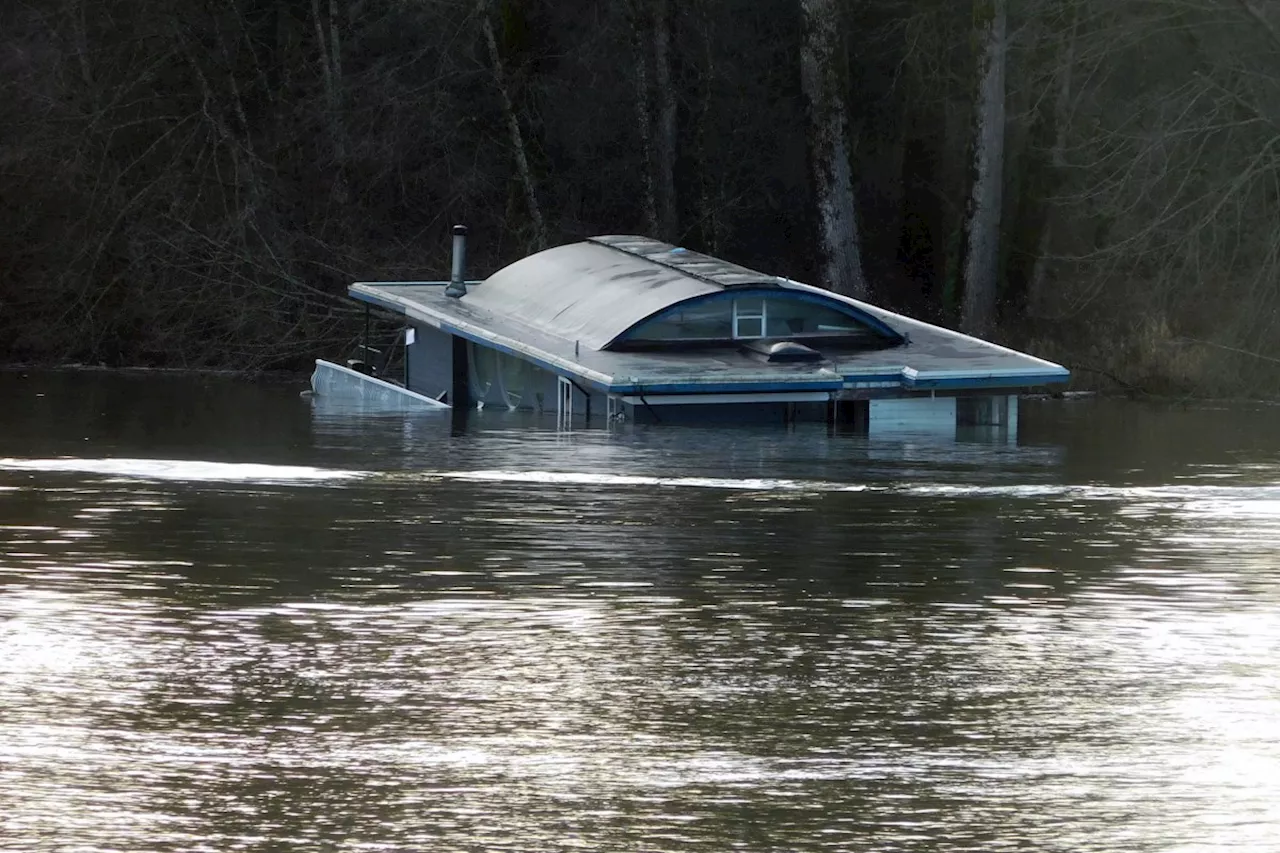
624, 327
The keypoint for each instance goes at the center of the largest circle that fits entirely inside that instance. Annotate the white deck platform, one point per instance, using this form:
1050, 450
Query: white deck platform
350, 389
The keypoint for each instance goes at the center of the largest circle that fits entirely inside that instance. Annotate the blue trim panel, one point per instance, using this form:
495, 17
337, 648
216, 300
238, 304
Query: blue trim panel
895, 338
724, 387
1026, 380
894, 376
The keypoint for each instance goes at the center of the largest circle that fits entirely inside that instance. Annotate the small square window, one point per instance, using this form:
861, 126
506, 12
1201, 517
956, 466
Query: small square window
748, 318
749, 327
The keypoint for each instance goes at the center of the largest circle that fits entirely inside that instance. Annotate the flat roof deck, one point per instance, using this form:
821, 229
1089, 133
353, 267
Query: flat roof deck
933, 359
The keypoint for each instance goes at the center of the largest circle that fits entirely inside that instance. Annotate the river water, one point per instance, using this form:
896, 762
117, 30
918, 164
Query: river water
228, 622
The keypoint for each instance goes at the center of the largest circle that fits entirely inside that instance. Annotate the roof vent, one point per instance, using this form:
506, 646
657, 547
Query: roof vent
782, 352
458, 279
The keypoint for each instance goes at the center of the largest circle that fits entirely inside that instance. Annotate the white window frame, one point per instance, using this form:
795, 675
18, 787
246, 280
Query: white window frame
762, 316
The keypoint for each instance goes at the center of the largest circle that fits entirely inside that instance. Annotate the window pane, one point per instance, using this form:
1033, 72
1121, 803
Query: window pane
749, 327
749, 307
698, 323
484, 372
792, 318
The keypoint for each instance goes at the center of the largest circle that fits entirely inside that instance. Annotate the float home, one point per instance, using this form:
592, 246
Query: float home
633, 328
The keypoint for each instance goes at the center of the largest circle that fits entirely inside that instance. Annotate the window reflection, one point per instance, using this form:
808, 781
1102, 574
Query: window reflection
750, 317
790, 318
695, 323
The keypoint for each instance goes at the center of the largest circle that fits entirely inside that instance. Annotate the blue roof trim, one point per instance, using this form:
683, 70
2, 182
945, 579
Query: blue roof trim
850, 311
722, 387
1018, 380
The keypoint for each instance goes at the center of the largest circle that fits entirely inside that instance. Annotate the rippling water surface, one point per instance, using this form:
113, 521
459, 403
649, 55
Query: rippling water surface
228, 622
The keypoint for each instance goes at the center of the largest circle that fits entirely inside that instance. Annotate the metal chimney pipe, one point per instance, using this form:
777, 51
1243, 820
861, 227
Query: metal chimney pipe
458, 279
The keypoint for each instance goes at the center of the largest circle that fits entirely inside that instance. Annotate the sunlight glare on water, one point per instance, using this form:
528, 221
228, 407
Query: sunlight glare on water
261, 629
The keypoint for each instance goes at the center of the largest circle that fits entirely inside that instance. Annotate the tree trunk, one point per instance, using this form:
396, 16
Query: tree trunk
331, 69
712, 202
513, 129
656, 113
665, 100
841, 256
80, 32
644, 118
1037, 286
982, 255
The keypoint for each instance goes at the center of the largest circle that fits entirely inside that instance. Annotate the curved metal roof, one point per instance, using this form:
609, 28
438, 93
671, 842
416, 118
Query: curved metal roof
595, 290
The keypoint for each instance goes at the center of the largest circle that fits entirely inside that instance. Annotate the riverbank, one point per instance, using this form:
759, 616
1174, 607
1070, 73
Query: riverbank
226, 373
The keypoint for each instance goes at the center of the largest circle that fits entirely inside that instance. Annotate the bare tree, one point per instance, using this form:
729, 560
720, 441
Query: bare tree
657, 112
171, 174
982, 254
644, 114
665, 97
331, 71
1060, 118
841, 253
519, 150
1257, 13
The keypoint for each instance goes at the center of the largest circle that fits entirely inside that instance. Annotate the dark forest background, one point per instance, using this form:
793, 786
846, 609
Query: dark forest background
194, 184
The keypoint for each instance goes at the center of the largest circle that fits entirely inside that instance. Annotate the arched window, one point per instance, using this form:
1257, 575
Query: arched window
744, 315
